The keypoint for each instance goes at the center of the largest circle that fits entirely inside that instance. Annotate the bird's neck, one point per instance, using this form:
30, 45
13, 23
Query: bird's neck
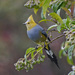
29, 27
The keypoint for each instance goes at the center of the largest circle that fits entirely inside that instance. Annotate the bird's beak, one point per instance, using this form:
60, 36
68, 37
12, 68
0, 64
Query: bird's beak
24, 23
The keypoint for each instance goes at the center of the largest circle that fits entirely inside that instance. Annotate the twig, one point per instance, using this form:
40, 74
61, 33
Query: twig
35, 54
56, 38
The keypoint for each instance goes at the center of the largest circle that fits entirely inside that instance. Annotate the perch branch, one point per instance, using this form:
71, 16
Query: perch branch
56, 38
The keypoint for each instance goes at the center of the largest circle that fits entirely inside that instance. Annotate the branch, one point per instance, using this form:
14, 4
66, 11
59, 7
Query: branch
43, 47
36, 54
56, 38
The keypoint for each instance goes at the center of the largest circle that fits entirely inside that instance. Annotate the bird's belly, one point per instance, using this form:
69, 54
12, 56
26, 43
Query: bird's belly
36, 36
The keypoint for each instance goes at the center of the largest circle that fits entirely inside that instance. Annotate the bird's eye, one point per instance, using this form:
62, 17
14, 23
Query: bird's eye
28, 23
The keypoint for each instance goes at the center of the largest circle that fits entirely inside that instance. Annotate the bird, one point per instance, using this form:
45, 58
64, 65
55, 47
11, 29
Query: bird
38, 35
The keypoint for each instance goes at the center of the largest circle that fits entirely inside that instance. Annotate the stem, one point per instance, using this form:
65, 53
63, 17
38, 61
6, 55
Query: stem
35, 54
57, 37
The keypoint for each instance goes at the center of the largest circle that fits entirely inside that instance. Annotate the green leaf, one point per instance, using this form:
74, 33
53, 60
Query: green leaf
67, 11
72, 73
58, 12
68, 23
45, 6
54, 7
57, 5
73, 22
63, 26
40, 49
41, 2
64, 21
35, 10
30, 50
60, 4
25, 57
32, 54
69, 57
70, 50
52, 26
60, 53
42, 15
62, 50
59, 28
57, 17
44, 20
70, 61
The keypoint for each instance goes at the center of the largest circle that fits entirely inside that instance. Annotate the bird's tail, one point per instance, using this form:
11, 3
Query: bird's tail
51, 55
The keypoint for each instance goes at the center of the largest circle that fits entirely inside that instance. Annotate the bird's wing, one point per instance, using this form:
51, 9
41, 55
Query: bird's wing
45, 34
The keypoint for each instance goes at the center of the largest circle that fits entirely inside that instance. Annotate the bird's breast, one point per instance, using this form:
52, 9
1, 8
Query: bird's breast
35, 34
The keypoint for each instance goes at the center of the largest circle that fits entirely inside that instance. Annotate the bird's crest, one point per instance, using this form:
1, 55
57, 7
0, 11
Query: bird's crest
30, 17
30, 23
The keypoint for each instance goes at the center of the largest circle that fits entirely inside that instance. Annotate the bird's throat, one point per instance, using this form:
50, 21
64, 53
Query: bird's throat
29, 27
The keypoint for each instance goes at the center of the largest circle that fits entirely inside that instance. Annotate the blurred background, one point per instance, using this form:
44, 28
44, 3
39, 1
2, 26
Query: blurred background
14, 41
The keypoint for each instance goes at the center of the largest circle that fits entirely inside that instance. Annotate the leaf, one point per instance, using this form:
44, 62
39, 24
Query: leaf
35, 10
71, 73
70, 49
39, 48
45, 6
58, 12
69, 57
44, 20
42, 15
41, 3
73, 22
63, 26
25, 57
29, 50
54, 7
60, 4
57, 17
52, 26
41, 0
59, 28
32, 54
64, 21
70, 61
41, 51
60, 53
68, 23
67, 11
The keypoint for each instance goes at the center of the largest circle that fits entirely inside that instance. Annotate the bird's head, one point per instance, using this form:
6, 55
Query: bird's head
30, 23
